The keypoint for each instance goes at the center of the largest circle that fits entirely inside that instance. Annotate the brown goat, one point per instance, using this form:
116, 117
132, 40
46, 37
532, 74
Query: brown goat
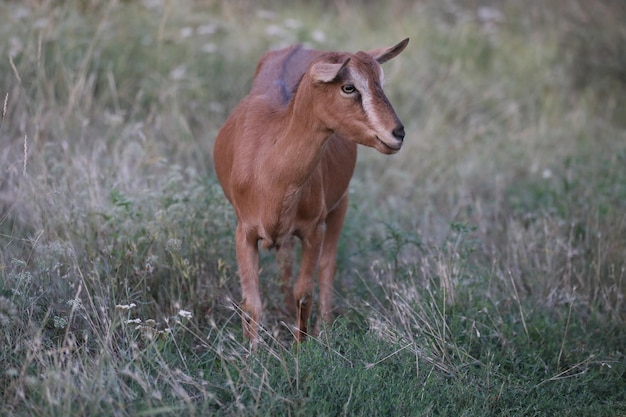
285, 157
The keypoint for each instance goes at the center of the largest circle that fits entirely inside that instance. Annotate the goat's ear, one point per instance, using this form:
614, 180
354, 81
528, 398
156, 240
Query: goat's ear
383, 55
325, 72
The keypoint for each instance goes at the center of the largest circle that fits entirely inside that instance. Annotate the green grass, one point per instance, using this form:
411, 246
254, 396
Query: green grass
481, 270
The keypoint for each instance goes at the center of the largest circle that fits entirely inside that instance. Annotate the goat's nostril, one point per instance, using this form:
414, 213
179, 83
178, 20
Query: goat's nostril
398, 132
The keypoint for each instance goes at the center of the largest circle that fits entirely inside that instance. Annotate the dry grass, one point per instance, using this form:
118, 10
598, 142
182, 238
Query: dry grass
481, 269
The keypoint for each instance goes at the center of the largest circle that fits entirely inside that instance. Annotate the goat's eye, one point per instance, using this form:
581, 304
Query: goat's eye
348, 89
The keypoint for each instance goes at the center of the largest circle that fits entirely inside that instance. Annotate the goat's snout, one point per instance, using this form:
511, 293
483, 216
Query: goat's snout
398, 132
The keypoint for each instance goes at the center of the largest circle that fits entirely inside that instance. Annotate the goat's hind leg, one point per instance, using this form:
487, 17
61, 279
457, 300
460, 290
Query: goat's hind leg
303, 289
285, 256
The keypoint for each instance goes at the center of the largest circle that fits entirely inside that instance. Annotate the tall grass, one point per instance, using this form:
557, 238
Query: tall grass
481, 270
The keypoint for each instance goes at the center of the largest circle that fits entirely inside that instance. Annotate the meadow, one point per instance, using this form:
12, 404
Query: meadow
481, 270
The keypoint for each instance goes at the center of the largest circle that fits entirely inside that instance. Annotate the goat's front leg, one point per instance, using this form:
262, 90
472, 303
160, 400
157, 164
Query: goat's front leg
303, 288
248, 264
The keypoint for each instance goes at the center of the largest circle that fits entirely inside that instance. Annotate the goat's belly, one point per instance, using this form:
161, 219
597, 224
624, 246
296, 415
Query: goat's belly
274, 235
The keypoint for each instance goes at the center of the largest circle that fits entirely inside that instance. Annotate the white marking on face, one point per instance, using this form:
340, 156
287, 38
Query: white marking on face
361, 83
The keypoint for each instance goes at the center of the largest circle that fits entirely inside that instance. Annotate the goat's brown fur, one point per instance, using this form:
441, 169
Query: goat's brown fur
285, 157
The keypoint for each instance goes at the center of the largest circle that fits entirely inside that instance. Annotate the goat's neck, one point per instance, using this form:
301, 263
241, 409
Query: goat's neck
302, 145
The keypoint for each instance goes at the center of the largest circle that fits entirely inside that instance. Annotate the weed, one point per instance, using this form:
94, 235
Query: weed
481, 270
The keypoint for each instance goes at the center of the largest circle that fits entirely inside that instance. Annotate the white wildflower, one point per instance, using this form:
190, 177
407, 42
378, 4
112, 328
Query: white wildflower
185, 314
208, 29
266, 14
173, 245
178, 73
274, 30
318, 36
293, 23
59, 322
209, 48
186, 32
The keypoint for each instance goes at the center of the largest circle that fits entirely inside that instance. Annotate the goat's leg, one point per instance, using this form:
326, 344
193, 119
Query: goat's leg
285, 257
328, 261
248, 263
303, 288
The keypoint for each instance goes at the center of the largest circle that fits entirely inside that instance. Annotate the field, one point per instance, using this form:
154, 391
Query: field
481, 270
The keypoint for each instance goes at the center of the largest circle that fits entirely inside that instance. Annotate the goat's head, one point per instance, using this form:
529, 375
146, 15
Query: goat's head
350, 99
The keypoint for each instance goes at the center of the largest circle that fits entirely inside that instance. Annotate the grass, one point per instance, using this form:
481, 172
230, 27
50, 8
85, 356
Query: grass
481, 270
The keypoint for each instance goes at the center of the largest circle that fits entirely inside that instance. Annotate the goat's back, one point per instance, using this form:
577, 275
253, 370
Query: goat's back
278, 73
